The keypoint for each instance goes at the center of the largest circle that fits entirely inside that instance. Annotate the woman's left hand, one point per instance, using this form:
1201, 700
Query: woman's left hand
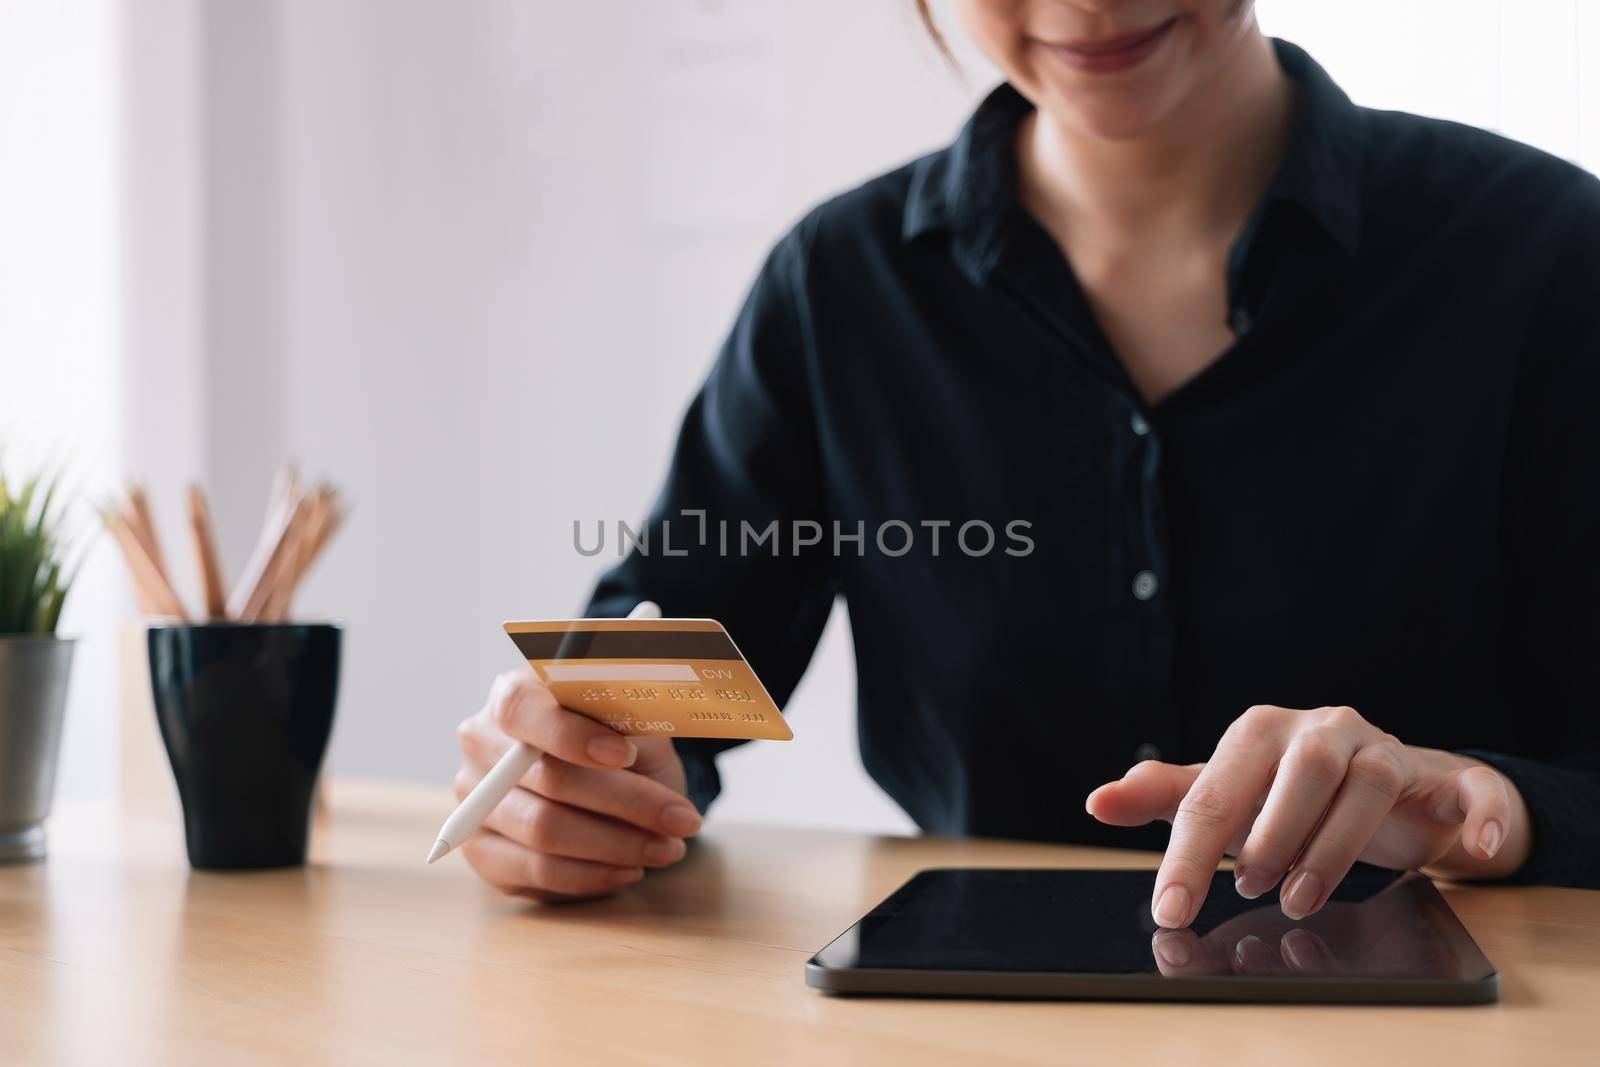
1299, 796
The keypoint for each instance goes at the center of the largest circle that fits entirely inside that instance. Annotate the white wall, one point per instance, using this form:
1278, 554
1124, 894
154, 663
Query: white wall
471, 258
59, 319
1523, 67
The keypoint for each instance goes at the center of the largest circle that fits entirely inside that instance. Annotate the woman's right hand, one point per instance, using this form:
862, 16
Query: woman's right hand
592, 813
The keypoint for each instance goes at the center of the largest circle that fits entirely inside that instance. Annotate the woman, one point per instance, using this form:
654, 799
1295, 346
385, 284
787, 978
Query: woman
1287, 410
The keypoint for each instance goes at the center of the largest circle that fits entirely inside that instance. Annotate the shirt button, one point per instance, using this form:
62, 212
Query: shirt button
1138, 425
1146, 751
1240, 321
1145, 585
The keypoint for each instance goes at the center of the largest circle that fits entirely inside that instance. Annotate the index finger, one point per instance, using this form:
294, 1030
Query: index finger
526, 710
629, 798
1216, 805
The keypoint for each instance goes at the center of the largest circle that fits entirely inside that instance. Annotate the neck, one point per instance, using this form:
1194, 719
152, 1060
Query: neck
1200, 170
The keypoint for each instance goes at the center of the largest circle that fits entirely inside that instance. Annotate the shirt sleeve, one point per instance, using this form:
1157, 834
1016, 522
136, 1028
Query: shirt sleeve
746, 458
1551, 520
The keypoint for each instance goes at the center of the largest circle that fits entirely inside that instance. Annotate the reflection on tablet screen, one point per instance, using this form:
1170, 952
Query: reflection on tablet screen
1377, 925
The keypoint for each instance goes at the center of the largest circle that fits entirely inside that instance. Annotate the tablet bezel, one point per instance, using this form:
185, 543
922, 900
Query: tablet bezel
1049, 985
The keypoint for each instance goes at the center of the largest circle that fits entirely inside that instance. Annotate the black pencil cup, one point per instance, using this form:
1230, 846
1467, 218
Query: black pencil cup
245, 710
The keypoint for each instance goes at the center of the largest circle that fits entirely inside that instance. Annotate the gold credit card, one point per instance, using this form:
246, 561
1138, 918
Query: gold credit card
667, 677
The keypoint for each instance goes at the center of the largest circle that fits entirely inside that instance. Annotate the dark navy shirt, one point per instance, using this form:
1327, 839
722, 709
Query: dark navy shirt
1384, 494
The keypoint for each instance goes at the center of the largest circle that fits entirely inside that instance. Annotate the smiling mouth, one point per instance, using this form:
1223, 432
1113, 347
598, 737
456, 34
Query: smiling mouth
1107, 54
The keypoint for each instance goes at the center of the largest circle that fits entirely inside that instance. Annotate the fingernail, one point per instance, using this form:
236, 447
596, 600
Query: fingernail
1300, 951
1252, 956
680, 820
1172, 908
1250, 881
617, 751
1489, 838
663, 850
626, 875
1299, 897
1171, 948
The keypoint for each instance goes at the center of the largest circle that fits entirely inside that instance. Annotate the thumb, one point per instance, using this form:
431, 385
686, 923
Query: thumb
1477, 798
1149, 791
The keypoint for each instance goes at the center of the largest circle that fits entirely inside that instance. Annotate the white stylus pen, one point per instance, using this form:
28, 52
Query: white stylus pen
501, 779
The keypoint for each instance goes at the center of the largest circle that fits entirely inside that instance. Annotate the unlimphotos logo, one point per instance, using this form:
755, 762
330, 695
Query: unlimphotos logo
890, 538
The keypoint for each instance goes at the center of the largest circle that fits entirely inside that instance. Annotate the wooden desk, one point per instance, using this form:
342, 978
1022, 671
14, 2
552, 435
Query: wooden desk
114, 952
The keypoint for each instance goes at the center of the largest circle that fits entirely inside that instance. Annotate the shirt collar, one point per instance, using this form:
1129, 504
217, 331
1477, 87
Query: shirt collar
969, 189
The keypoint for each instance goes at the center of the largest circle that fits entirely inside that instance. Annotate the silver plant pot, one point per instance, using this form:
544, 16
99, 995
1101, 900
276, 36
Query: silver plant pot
33, 694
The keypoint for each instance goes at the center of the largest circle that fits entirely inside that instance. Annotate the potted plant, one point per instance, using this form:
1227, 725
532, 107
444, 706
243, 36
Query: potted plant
34, 662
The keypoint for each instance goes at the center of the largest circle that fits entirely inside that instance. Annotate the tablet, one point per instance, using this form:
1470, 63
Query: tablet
1088, 934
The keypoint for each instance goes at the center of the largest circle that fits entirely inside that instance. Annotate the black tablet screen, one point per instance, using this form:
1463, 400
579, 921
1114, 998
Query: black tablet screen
1377, 925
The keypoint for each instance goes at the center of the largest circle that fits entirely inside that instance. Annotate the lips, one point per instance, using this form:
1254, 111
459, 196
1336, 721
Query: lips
1107, 54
